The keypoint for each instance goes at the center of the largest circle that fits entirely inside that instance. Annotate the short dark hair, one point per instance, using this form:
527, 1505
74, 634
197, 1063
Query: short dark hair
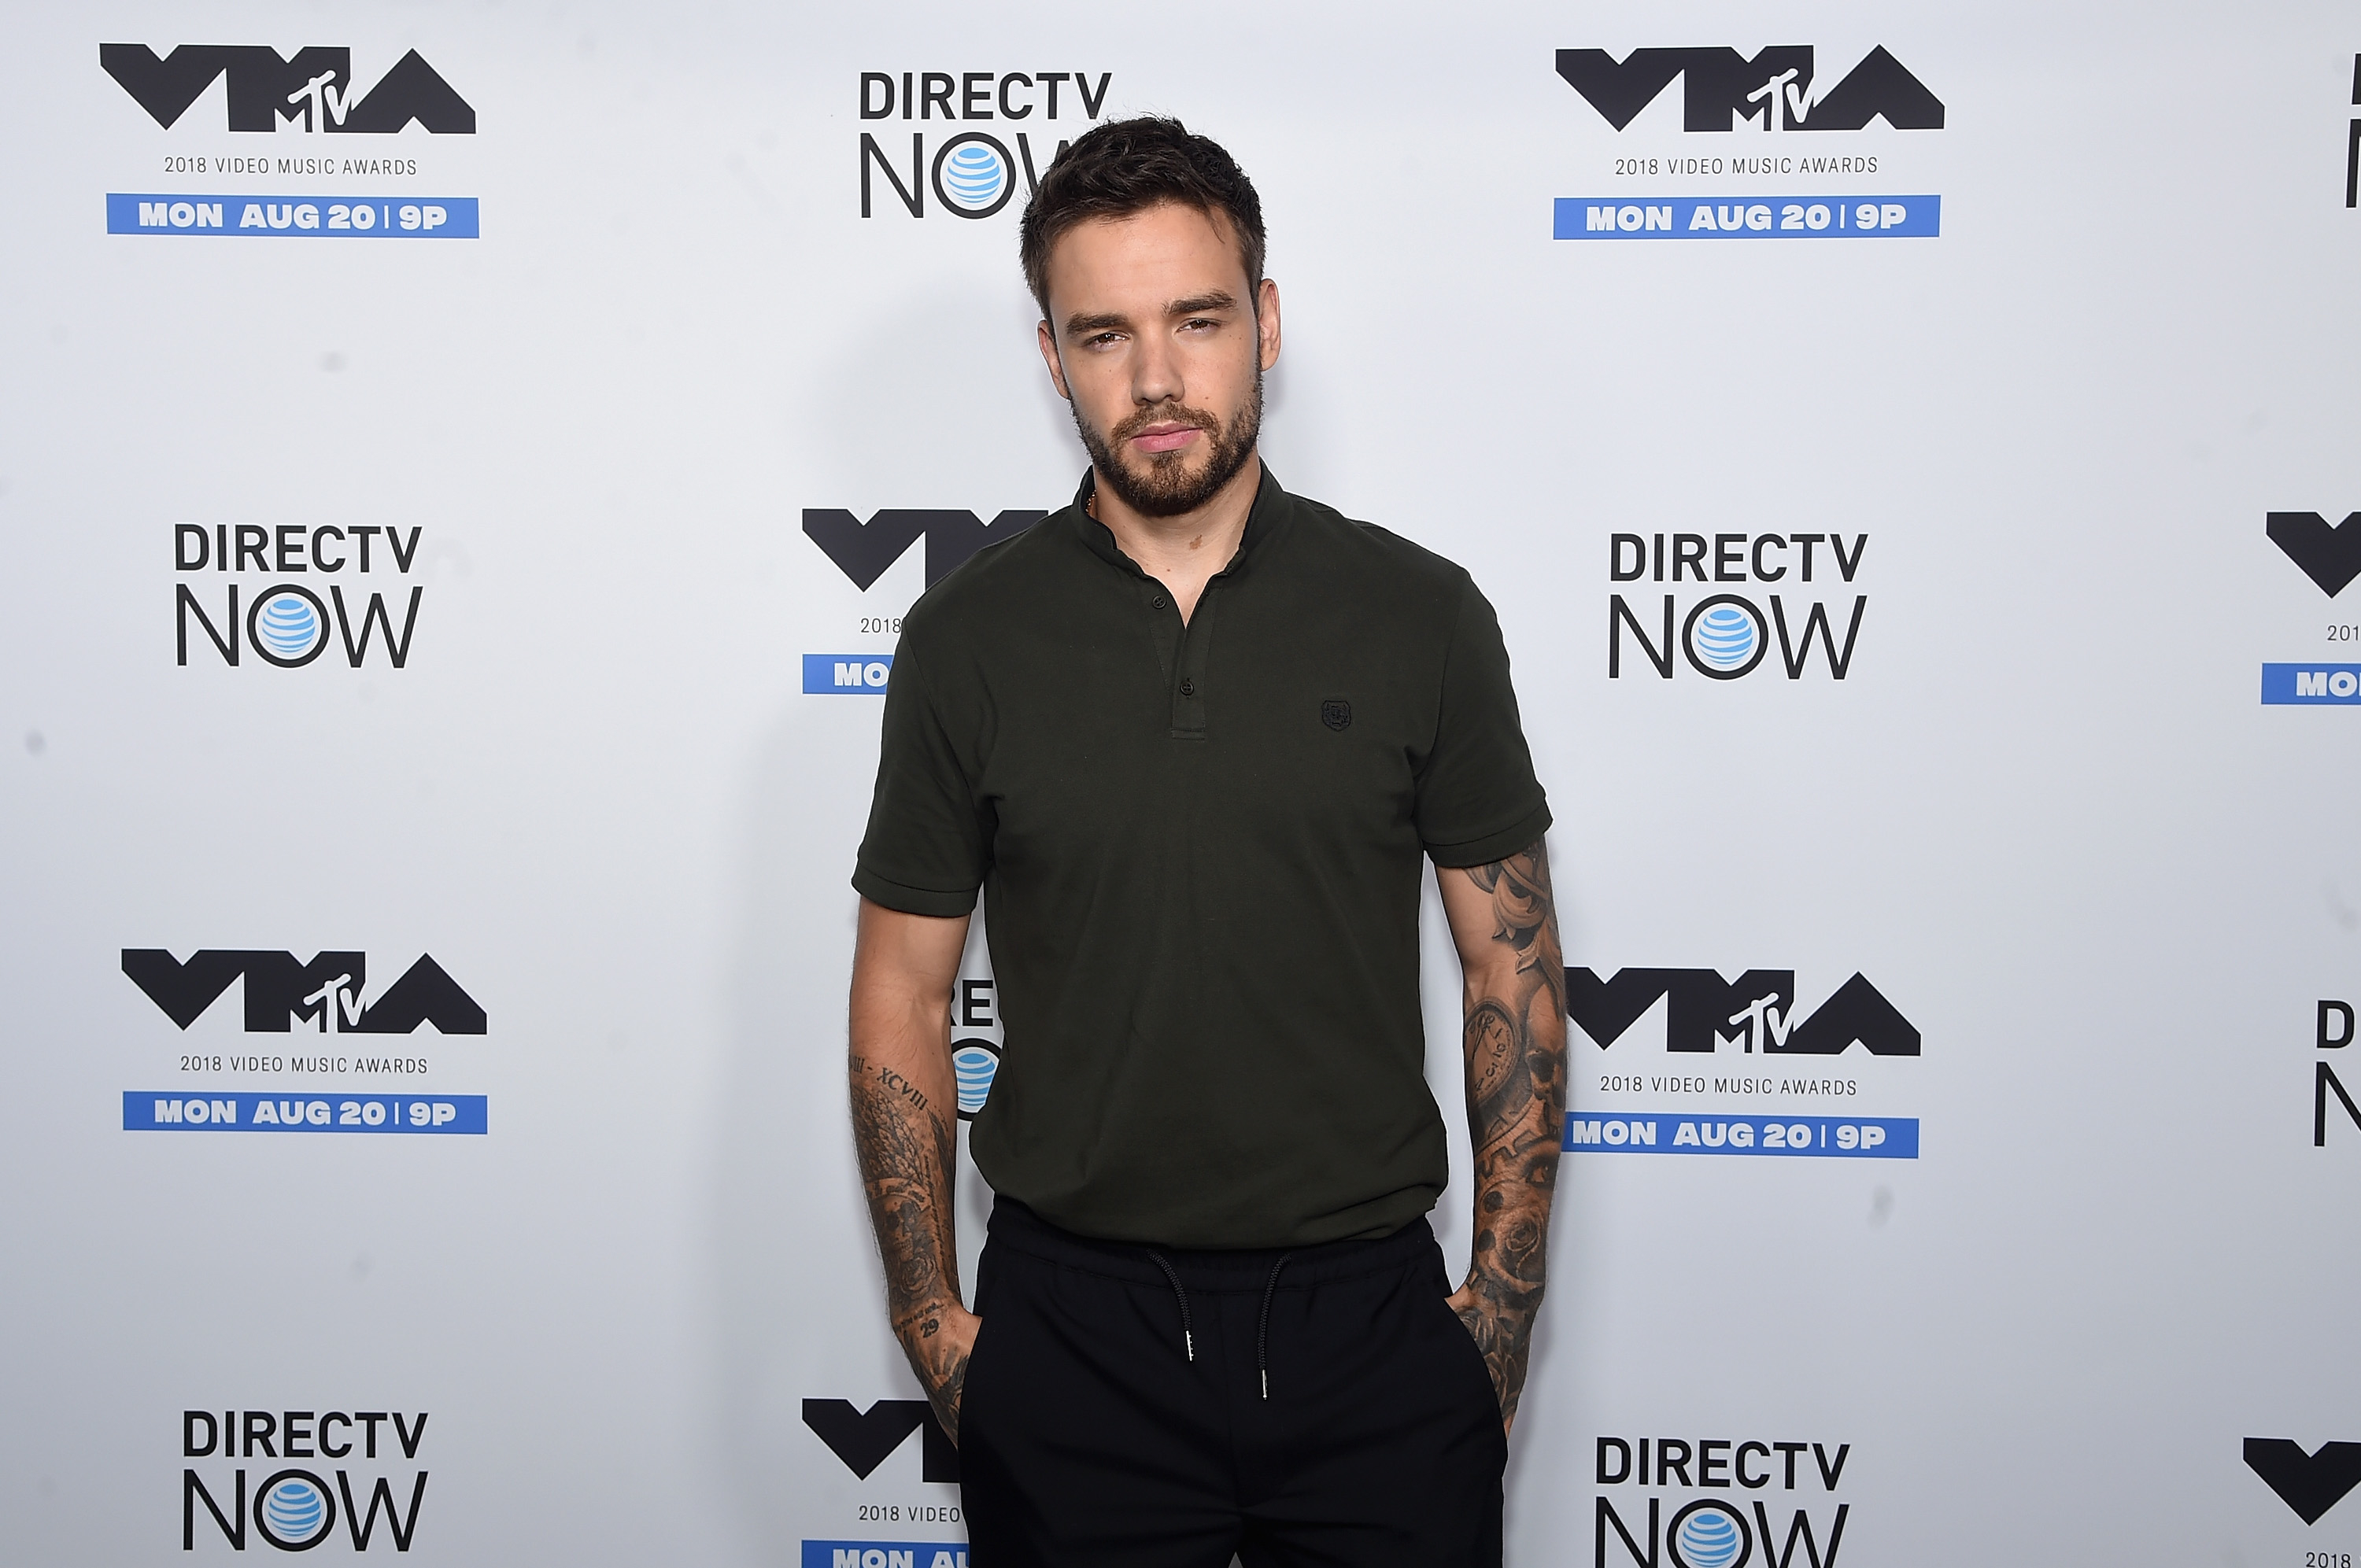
1128, 166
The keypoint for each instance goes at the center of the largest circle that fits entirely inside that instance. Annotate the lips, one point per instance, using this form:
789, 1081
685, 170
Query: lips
1152, 432
1165, 438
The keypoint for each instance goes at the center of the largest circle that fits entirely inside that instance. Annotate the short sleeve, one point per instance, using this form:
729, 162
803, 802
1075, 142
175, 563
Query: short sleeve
1477, 799
926, 847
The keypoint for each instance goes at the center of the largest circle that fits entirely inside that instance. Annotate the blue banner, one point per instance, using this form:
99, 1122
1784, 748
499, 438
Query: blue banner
1842, 1137
847, 675
885, 1554
2313, 686
1748, 217
295, 217
179, 1110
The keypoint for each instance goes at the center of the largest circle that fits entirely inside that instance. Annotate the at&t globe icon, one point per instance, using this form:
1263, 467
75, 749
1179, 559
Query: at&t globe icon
975, 175
972, 176
974, 1063
1725, 637
288, 626
294, 1510
1707, 1535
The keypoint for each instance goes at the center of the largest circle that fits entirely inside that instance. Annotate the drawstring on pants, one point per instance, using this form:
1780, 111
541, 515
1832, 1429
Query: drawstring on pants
1262, 1324
1187, 1342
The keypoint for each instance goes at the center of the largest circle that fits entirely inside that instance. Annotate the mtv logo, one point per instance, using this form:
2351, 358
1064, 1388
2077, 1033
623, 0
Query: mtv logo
327, 991
1720, 86
315, 85
862, 550
1757, 1010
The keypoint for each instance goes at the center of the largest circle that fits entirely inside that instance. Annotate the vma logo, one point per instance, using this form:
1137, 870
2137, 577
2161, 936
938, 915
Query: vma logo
862, 550
327, 991
314, 88
2311, 1484
1722, 89
1757, 1010
863, 1438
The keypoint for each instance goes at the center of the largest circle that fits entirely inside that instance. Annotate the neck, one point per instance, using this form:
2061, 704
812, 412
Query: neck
1183, 551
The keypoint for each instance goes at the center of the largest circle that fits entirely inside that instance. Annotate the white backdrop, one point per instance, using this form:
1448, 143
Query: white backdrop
2043, 813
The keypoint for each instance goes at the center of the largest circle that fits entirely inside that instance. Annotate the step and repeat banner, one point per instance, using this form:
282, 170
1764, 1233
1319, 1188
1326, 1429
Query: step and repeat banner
462, 472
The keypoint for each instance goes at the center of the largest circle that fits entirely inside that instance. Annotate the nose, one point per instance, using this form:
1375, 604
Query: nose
1156, 372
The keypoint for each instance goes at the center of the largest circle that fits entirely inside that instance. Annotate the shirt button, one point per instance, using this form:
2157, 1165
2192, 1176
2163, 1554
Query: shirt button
1158, 602
1188, 686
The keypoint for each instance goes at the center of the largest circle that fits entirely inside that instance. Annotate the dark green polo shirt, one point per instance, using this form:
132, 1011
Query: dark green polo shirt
1201, 851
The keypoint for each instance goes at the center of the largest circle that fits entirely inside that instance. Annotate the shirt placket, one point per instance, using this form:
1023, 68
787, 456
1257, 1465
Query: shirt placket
1187, 674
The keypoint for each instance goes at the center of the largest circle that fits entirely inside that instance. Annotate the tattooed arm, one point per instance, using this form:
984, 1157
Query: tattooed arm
1505, 926
905, 1128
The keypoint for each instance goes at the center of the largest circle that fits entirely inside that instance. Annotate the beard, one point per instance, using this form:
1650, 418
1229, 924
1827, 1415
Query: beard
1166, 485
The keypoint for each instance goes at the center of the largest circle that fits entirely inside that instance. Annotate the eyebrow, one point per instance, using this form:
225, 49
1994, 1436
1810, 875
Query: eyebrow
1196, 304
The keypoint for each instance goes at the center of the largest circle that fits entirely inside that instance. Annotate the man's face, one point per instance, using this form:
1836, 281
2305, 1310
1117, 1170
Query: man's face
1154, 340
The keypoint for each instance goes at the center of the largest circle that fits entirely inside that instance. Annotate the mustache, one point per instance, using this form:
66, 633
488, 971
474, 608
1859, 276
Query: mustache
1165, 413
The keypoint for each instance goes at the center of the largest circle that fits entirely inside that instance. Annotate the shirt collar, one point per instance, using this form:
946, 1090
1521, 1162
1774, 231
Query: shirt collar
1265, 521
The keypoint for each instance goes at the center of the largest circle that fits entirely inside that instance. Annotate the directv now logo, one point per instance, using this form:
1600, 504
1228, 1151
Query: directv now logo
285, 623
2335, 1033
1725, 635
1721, 1528
292, 1506
972, 173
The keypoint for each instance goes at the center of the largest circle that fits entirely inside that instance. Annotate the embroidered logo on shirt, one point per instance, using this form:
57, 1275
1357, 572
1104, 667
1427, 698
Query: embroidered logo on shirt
1336, 713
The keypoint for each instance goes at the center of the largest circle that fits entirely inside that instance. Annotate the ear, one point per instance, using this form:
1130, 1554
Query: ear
1049, 342
1266, 320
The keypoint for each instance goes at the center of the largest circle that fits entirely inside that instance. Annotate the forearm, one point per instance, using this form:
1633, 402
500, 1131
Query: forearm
1515, 1047
904, 1132
1516, 1172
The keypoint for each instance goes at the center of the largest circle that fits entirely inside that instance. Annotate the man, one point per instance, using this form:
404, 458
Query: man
1194, 738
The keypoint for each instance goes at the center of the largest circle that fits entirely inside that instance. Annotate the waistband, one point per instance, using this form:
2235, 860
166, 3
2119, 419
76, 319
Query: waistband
1247, 1271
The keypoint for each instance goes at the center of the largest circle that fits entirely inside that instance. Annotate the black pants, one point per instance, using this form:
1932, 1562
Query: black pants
1145, 1408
